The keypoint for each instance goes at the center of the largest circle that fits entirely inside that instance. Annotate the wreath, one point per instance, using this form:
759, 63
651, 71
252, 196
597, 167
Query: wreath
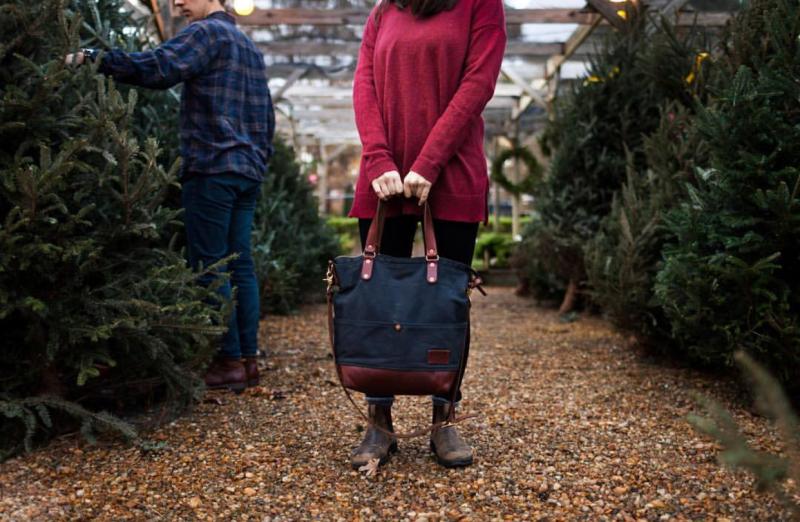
519, 153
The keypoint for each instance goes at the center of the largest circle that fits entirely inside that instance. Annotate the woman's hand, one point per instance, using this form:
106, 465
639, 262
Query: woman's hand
416, 185
388, 184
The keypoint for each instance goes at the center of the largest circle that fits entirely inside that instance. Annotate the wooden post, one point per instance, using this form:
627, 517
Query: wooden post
162, 34
609, 11
496, 200
322, 179
515, 200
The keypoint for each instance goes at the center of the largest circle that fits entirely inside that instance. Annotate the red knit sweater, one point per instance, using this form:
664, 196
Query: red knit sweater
420, 87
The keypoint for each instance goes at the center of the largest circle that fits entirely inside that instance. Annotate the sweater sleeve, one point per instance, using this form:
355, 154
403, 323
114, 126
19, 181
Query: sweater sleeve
481, 69
186, 55
376, 155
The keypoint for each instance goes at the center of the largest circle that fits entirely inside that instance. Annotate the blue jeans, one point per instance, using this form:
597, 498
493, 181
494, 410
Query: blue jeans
218, 214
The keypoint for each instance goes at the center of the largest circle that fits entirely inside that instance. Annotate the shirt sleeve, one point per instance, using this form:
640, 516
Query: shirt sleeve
481, 69
186, 55
376, 155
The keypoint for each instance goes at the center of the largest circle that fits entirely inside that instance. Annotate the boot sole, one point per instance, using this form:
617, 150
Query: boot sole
236, 388
463, 463
392, 450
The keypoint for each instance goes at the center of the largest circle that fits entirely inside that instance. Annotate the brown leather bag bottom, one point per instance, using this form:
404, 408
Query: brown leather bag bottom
381, 382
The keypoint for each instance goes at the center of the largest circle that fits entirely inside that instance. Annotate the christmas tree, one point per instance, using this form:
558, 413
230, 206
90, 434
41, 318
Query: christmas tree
96, 306
597, 137
624, 257
731, 276
292, 245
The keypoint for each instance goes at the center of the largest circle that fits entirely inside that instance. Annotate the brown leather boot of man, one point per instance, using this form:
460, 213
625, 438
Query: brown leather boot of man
376, 444
226, 374
450, 449
251, 369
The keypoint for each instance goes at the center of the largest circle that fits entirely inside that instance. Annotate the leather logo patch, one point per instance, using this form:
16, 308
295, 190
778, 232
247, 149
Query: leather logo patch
438, 356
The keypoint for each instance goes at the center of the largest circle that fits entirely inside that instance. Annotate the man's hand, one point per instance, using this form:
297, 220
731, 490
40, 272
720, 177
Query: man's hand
74, 58
417, 186
388, 184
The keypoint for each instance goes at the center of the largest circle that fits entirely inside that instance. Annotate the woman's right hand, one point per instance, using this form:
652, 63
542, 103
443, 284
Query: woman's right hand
388, 184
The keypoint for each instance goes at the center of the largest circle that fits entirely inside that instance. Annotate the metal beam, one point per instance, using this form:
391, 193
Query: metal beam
341, 49
297, 16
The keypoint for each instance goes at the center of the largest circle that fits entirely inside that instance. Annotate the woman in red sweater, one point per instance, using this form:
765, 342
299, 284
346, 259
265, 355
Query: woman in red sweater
426, 70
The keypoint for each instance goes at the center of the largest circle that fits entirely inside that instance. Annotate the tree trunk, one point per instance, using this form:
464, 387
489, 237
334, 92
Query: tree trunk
570, 297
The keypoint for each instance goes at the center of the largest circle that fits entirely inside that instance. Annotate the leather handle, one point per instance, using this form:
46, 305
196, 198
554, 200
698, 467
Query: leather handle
431, 251
373, 245
375, 235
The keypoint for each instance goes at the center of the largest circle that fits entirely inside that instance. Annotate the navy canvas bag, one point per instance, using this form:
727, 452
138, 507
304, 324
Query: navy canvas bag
400, 326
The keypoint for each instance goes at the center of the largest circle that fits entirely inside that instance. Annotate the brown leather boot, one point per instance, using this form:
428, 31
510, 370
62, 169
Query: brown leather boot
251, 369
376, 444
450, 449
226, 374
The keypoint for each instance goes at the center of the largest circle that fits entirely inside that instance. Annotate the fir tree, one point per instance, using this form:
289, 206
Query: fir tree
597, 136
731, 275
95, 303
292, 243
625, 256
770, 471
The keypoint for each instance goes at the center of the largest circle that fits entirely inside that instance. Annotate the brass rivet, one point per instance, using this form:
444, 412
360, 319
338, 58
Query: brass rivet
368, 261
397, 327
432, 279
432, 265
431, 251
365, 276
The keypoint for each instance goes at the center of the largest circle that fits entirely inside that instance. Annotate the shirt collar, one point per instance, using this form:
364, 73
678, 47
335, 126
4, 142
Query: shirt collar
222, 15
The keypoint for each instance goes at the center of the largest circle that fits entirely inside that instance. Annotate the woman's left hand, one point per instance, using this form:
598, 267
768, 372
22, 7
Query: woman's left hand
415, 185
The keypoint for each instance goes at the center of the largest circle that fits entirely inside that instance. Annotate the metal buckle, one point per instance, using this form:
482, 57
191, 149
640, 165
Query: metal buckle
432, 258
329, 279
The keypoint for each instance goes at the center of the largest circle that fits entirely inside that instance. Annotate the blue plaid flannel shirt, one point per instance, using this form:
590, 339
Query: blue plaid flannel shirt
227, 120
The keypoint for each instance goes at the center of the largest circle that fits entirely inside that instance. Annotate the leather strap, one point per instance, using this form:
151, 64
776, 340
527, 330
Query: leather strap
431, 252
375, 235
373, 245
451, 420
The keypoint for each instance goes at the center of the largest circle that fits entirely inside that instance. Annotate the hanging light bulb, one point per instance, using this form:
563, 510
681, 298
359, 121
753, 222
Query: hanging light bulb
243, 7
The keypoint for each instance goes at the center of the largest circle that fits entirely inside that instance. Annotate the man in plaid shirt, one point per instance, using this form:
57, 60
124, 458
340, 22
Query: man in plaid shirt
226, 128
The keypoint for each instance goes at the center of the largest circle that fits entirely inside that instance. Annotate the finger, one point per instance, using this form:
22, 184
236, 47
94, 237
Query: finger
407, 191
424, 195
386, 188
397, 185
376, 186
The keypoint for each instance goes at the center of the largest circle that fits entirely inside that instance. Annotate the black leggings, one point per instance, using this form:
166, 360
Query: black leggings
454, 240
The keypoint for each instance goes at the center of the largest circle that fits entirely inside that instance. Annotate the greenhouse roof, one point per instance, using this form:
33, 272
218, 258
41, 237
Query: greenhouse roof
310, 48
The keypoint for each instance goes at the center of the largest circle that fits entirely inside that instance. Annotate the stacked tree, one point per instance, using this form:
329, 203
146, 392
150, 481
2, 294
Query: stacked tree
732, 274
597, 136
95, 306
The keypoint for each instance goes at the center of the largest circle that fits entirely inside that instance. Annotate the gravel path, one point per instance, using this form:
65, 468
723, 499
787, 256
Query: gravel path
574, 426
